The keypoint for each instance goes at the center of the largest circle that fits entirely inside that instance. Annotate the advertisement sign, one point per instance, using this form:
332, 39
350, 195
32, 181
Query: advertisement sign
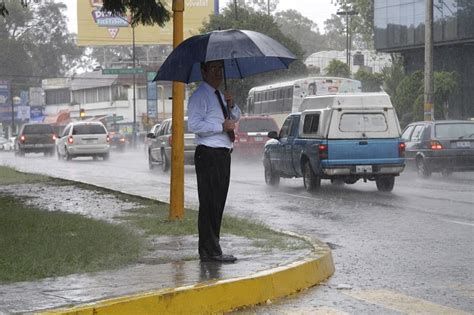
36, 96
97, 28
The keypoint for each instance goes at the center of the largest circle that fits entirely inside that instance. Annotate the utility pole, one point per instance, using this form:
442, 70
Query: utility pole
428, 112
348, 38
177, 126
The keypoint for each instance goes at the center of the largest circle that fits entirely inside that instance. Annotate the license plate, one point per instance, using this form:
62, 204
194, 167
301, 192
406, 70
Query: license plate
463, 144
258, 139
363, 168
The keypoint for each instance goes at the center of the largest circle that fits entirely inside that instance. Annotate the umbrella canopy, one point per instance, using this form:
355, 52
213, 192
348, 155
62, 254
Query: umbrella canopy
245, 53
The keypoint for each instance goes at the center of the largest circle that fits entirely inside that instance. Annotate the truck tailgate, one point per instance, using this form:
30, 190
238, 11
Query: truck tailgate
363, 151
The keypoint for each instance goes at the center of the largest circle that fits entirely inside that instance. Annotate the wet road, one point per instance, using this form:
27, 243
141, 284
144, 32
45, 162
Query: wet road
408, 251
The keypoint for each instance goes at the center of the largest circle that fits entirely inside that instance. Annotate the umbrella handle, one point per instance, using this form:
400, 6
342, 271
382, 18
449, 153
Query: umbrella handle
225, 80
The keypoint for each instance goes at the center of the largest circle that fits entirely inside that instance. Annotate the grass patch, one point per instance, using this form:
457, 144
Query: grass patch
37, 244
154, 220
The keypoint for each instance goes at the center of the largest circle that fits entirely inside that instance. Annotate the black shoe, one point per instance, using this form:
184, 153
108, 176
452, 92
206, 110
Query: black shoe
218, 258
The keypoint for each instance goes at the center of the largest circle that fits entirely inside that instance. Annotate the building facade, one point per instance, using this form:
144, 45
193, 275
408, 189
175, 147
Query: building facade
400, 27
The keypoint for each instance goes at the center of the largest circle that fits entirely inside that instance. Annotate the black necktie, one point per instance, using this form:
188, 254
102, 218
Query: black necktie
226, 115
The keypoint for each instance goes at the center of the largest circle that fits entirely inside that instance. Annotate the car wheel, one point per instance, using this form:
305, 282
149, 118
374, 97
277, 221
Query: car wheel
271, 177
150, 162
422, 168
311, 181
385, 183
165, 163
106, 156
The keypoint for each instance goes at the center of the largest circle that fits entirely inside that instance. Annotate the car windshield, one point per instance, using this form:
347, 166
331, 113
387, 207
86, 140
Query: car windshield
456, 130
256, 125
35, 129
362, 122
88, 129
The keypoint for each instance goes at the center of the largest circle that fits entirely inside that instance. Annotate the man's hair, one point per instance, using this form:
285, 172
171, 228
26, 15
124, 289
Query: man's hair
205, 64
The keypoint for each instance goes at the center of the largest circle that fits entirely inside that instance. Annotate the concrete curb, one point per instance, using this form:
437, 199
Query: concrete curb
233, 293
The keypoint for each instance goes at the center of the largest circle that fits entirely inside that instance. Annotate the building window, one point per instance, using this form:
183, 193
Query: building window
60, 96
91, 96
119, 93
103, 94
78, 97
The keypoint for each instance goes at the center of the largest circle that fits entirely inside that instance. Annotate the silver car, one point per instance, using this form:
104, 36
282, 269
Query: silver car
159, 149
82, 138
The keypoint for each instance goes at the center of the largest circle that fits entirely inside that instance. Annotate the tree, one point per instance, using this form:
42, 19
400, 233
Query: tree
337, 68
371, 82
393, 75
335, 31
146, 12
35, 44
261, 22
363, 22
302, 30
408, 98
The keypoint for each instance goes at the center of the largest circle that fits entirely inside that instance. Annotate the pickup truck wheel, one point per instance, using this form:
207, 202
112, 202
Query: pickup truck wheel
271, 178
165, 162
310, 180
422, 168
385, 183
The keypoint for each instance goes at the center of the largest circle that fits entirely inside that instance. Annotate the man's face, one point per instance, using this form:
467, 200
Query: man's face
212, 73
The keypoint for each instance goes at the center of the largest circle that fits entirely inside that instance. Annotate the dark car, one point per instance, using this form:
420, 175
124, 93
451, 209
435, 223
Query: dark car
36, 138
251, 134
117, 141
444, 146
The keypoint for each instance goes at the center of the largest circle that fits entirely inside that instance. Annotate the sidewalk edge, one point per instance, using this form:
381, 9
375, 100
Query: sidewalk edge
233, 293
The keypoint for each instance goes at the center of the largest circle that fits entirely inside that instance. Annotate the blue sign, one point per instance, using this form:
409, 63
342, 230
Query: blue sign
151, 99
5, 101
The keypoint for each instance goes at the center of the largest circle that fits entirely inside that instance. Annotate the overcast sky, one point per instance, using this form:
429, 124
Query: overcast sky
316, 10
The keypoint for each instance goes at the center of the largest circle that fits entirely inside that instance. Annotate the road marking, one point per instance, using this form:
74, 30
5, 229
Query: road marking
403, 303
324, 310
458, 222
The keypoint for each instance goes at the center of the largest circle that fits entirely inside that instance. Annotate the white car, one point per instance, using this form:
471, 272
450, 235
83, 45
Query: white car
82, 138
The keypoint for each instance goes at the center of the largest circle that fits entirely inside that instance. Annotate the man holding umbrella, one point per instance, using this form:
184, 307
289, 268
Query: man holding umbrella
213, 122
213, 57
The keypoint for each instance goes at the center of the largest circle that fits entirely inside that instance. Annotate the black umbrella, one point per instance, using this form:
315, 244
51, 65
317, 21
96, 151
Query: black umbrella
245, 53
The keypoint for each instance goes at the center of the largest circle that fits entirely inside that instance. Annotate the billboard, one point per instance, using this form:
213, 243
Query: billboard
97, 28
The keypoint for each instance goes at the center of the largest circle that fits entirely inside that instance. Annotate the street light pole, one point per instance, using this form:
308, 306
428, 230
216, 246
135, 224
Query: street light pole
348, 39
134, 95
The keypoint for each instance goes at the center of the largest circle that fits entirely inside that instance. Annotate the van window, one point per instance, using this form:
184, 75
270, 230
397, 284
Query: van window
92, 129
362, 122
311, 123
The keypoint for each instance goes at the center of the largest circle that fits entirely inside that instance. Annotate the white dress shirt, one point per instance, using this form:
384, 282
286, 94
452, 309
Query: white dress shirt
205, 118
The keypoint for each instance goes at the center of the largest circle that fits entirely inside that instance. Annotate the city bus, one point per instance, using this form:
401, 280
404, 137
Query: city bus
280, 99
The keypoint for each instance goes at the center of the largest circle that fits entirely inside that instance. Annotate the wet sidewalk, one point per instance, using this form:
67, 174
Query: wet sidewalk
182, 267
80, 289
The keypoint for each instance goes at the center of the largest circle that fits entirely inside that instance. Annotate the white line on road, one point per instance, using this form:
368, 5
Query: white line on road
458, 222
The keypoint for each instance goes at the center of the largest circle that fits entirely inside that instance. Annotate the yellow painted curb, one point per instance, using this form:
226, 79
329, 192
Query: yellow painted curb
223, 295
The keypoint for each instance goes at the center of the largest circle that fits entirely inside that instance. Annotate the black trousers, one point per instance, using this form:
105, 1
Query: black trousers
213, 176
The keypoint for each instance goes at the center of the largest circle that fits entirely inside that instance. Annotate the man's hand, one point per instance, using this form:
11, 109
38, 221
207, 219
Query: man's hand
228, 125
229, 99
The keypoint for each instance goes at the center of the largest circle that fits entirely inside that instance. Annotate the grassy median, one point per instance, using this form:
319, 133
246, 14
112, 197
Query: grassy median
36, 243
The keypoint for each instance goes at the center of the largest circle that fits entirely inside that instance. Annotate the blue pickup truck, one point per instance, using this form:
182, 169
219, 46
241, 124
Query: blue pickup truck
342, 138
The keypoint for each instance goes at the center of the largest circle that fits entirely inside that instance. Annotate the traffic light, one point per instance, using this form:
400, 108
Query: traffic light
82, 113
